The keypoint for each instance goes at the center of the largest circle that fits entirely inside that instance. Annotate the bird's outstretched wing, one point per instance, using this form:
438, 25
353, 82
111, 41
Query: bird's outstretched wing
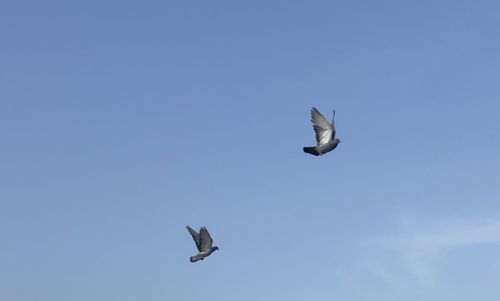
324, 130
196, 237
205, 240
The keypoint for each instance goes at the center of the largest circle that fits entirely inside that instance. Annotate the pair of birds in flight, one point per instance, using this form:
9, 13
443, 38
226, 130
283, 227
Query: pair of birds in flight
325, 142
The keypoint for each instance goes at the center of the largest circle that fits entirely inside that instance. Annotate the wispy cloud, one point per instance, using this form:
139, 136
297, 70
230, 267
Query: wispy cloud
418, 251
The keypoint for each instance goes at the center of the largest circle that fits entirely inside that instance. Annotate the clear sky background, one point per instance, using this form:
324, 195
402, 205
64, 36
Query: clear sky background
121, 122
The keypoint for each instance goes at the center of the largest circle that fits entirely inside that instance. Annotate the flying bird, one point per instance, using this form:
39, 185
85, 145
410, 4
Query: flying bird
203, 242
325, 134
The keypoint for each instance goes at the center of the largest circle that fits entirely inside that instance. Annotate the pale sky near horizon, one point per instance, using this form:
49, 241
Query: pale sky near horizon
121, 122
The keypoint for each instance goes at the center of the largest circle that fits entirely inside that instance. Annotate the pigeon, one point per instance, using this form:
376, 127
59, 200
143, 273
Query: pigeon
203, 242
325, 134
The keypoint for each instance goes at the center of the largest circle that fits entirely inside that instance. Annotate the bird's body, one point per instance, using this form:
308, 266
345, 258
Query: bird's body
325, 134
202, 255
322, 149
203, 242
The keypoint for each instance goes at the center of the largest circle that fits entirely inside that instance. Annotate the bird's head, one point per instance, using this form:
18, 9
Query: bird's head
215, 248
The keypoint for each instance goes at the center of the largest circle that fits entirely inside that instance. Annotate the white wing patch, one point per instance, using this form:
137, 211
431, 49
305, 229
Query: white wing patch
323, 135
322, 128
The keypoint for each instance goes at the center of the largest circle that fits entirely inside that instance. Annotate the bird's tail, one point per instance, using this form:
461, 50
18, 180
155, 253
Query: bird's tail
195, 258
311, 150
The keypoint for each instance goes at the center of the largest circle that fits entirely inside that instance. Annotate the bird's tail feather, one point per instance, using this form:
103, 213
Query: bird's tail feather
196, 257
311, 150
193, 259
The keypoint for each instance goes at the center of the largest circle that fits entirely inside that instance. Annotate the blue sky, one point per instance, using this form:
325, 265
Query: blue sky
121, 122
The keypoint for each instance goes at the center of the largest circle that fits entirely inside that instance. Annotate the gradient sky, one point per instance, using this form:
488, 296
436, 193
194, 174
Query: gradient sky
123, 121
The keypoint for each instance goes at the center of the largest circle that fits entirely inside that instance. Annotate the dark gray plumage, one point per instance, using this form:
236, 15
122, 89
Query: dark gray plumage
325, 134
203, 242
